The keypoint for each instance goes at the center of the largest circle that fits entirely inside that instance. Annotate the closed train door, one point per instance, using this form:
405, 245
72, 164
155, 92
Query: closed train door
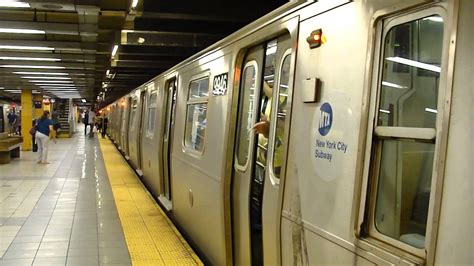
260, 145
167, 139
124, 126
2, 122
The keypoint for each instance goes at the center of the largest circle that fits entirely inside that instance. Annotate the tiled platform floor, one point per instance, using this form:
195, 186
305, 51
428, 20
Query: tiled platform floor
62, 213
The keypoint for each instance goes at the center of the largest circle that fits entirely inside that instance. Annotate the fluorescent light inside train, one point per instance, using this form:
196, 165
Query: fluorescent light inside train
435, 19
49, 78
27, 66
384, 111
41, 73
393, 85
412, 63
21, 31
10, 3
431, 110
29, 58
21, 47
114, 51
134, 4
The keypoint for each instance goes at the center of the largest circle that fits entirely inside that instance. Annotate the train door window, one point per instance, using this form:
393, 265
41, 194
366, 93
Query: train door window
246, 120
404, 134
282, 110
196, 114
133, 110
150, 125
1, 120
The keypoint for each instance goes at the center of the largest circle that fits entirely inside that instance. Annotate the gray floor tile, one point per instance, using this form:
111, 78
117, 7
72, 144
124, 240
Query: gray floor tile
16, 262
49, 261
81, 261
19, 254
24, 246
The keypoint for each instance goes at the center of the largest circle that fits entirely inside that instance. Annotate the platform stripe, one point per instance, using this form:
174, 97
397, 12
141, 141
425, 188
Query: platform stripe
151, 237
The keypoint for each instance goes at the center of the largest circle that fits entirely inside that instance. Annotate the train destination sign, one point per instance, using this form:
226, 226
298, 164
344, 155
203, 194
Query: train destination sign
219, 86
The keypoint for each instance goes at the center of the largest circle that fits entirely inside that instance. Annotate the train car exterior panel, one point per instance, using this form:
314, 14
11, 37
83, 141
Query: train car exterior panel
457, 217
151, 136
375, 169
135, 126
321, 168
198, 137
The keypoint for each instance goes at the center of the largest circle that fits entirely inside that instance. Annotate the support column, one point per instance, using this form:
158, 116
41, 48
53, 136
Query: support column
26, 118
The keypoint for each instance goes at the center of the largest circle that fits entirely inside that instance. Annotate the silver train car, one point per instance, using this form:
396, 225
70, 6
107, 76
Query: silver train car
327, 132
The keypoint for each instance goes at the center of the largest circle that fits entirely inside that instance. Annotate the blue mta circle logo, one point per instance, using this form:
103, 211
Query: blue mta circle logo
325, 120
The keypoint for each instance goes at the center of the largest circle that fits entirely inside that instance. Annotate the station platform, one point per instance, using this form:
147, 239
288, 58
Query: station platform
87, 207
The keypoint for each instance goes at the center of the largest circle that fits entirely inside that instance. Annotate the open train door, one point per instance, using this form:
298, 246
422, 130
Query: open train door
259, 159
167, 141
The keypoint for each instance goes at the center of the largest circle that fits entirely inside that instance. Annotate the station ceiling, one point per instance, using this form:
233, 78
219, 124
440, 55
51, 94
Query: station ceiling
63, 48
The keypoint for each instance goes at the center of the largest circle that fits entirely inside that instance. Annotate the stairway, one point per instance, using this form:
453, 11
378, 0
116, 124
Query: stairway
62, 109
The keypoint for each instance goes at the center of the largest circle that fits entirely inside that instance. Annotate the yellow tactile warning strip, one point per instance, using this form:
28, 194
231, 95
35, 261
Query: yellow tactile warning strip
151, 237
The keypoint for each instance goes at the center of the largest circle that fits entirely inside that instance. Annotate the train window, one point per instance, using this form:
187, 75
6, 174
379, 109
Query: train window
133, 111
246, 114
196, 114
150, 128
405, 132
282, 109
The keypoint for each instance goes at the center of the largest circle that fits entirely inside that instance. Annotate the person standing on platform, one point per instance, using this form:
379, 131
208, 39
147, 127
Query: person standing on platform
86, 120
91, 117
11, 121
44, 127
105, 122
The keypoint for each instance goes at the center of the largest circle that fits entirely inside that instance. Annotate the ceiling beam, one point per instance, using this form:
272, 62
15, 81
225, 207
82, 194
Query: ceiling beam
176, 39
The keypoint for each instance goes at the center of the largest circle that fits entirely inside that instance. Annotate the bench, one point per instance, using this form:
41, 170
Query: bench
9, 147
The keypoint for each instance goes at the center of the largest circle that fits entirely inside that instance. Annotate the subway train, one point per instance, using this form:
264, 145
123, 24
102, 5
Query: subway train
326, 132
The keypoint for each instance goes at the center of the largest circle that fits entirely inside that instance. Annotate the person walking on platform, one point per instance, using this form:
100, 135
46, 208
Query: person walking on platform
86, 120
44, 127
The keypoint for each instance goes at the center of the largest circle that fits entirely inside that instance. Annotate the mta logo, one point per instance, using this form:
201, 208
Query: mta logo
325, 120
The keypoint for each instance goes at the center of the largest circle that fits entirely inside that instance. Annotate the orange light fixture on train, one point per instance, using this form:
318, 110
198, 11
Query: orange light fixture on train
316, 39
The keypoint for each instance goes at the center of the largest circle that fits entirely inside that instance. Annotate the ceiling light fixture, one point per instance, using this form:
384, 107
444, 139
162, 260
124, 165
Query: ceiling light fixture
57, 85
107, 72
10, 3
134, 4
21, 31
114, 51
27, 66
41, 73
58, 88
28, 58
51, 81
53, 78
21, 47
